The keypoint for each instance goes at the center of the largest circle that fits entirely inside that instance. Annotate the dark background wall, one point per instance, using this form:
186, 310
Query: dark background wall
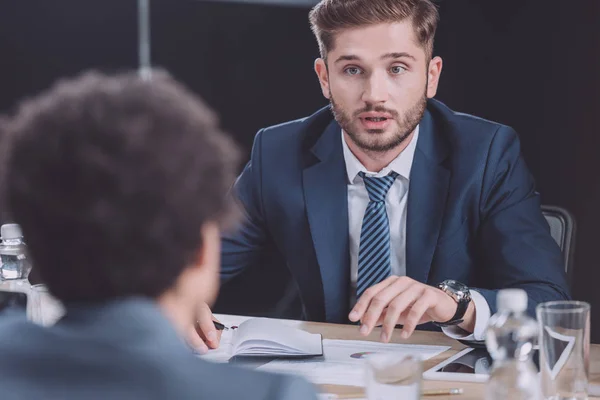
531, 64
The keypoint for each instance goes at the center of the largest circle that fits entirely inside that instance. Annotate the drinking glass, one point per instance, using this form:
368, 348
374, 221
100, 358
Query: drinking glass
564, 349
393, 376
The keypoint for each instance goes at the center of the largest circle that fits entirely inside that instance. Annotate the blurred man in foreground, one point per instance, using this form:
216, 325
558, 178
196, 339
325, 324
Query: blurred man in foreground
120, 187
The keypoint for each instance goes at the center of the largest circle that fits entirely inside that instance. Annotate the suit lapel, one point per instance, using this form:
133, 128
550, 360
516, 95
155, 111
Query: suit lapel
326, 197
427, 194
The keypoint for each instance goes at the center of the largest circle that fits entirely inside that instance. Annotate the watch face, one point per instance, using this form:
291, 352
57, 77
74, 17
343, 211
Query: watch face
459, 290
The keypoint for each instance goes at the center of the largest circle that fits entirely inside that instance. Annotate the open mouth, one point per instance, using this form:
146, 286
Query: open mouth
375, 123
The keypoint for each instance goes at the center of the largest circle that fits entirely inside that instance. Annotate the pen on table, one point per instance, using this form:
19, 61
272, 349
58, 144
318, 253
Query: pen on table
220, 326
442, 392
434, 392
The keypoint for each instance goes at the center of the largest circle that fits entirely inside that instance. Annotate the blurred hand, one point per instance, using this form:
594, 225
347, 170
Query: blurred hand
203, 335
402, 300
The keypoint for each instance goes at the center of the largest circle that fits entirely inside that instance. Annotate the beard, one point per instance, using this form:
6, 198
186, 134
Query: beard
376, 140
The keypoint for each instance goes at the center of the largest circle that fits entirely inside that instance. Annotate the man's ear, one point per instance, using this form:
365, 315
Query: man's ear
208, 263
210, 253
433, 76
323, 75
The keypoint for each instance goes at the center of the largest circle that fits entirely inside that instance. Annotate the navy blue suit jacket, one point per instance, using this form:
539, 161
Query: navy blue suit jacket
473, 212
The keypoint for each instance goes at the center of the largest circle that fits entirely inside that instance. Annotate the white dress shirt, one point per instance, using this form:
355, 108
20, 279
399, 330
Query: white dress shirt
396, 207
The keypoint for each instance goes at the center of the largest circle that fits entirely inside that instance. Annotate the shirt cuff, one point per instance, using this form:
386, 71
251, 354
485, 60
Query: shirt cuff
482, 316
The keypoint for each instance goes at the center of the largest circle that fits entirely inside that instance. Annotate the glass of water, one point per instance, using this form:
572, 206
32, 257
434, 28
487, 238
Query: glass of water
564, 349
45, 309
393, 376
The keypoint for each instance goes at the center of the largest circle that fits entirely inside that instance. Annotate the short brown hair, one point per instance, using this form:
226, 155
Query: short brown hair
331, 16
111, 178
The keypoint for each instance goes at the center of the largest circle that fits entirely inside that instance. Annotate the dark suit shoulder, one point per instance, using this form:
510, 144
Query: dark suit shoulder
467, 125
479, 123
469, 134
286, 128
299, 134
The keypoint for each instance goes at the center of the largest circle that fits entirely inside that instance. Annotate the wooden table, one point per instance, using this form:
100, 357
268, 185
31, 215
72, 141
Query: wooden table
471, 390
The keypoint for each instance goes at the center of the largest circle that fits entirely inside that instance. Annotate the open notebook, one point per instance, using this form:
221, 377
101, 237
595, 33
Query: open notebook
260, 337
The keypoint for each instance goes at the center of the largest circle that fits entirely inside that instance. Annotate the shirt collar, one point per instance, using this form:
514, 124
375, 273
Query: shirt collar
401, 164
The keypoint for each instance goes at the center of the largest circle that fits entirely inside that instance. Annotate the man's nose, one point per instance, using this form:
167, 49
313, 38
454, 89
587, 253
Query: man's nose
375, 90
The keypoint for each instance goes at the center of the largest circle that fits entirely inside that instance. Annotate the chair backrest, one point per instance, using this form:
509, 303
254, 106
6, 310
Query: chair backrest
562, 229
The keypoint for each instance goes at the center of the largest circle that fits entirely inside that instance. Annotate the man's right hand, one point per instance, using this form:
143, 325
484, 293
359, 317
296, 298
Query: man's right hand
203, 335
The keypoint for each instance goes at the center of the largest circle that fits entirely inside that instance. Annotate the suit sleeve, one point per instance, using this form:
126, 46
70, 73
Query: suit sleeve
517, 249
243, 244
295, 388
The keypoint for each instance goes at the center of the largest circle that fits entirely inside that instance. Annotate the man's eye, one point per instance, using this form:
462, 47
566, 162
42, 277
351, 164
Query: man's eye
397, 69
352, 71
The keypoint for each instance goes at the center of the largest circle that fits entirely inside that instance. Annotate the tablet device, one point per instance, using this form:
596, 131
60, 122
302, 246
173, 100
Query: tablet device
468, 365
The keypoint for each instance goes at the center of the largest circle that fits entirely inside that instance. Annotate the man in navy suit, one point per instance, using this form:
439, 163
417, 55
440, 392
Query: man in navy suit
388, 207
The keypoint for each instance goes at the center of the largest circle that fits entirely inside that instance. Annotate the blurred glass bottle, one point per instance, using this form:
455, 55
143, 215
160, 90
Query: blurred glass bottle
14, 262
510, 340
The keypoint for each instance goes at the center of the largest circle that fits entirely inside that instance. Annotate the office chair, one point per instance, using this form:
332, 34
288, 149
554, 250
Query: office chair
563, 229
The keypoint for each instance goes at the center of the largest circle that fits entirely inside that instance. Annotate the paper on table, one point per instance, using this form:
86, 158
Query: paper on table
343, 361
263, 336
326, 396
236, 320
593, 389
223, 353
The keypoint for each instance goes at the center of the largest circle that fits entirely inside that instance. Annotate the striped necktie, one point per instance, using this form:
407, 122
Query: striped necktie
374, 263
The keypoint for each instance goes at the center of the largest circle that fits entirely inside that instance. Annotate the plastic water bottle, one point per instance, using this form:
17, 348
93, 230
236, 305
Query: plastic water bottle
14, 263
510, 338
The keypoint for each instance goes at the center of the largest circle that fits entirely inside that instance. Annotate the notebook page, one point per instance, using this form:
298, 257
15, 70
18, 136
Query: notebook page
266, 336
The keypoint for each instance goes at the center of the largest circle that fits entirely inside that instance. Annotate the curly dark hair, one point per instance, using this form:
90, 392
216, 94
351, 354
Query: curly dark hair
112, 178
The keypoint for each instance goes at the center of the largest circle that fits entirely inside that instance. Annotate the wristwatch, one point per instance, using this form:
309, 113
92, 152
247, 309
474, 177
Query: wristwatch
461, 294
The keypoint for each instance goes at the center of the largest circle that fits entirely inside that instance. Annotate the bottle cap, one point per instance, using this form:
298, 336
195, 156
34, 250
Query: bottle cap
11, 231
514, 300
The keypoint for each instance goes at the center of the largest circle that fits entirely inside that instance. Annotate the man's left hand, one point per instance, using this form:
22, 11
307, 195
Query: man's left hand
402, 300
